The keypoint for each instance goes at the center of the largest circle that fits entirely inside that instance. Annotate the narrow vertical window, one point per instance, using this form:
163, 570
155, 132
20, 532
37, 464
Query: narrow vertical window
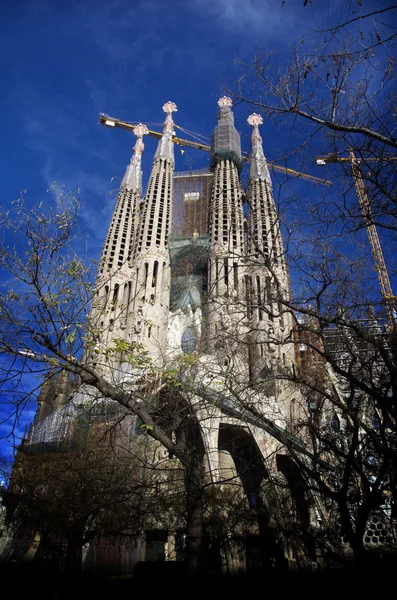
115, 296
246, 295
251, 296
235, 276
258, 291
105, 297
335, 423
155, 272
146, 266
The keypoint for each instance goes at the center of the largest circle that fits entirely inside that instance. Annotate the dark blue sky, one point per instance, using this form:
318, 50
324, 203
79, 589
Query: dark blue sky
63, 62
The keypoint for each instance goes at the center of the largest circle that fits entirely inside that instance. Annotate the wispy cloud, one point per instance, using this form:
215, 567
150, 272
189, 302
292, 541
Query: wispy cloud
266, 19
44, 114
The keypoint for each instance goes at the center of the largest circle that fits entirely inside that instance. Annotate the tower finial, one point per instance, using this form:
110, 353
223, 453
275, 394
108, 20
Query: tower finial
165, 148
225, 101
140, 130
169, 107
133, 175
259, 168
255, 120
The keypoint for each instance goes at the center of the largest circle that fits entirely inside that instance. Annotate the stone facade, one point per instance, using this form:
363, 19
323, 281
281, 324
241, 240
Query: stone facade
212, 295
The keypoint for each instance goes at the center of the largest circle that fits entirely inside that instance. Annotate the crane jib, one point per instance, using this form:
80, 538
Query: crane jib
112, 122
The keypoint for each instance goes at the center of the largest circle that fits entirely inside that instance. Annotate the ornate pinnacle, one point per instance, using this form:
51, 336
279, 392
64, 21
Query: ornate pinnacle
255, 119
140, 130
165, 148
259, 168
225, 101
169, 107
133, 175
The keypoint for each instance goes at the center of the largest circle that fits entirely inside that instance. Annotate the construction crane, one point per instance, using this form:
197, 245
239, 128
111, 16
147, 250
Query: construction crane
112, 122
377, 253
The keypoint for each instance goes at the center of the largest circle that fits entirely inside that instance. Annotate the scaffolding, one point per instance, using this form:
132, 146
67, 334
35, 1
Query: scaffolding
192, 193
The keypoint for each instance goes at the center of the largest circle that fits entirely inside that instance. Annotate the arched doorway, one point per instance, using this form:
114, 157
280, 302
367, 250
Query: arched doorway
263, 550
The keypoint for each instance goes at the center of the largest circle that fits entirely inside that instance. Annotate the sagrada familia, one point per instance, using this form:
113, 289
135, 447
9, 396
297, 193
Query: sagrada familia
197, 273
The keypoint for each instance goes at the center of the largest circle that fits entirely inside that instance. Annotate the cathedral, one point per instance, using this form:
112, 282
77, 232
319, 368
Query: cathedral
192, 274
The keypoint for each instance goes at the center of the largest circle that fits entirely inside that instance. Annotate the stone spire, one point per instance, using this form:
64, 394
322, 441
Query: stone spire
165, 148
258, 167
157, 207
132, 179
226, 215
150, 256
264, 237
226, 252
271, 323
114, 285
121, 234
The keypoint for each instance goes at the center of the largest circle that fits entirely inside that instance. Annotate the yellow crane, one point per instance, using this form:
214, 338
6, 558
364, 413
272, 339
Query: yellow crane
377, 253
112, 122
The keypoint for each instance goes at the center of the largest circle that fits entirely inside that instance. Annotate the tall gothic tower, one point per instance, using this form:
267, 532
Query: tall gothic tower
150, 260
225, 312
267, 278
111, 315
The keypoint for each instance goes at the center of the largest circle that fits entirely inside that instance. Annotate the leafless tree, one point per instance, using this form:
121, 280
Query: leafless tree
337, 95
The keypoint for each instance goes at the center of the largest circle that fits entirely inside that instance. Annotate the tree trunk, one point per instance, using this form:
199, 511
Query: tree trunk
74, 556
354, 534
194, 519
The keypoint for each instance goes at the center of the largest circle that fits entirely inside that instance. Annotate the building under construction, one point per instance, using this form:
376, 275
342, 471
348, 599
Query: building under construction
187, 276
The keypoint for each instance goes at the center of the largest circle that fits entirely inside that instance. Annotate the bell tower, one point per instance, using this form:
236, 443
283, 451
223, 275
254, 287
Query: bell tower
267, 278
150, 258
225, 313
110, 313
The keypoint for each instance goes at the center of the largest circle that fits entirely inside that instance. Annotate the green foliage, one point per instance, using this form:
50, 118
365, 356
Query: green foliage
146, 426
121, 345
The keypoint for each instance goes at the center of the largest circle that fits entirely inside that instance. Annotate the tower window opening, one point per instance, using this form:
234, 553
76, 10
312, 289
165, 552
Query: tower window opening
155, 272
235, 276
335, 423
146, 274
251, 296
105, 297
258, 288
268, 298
127, 300
115, 296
